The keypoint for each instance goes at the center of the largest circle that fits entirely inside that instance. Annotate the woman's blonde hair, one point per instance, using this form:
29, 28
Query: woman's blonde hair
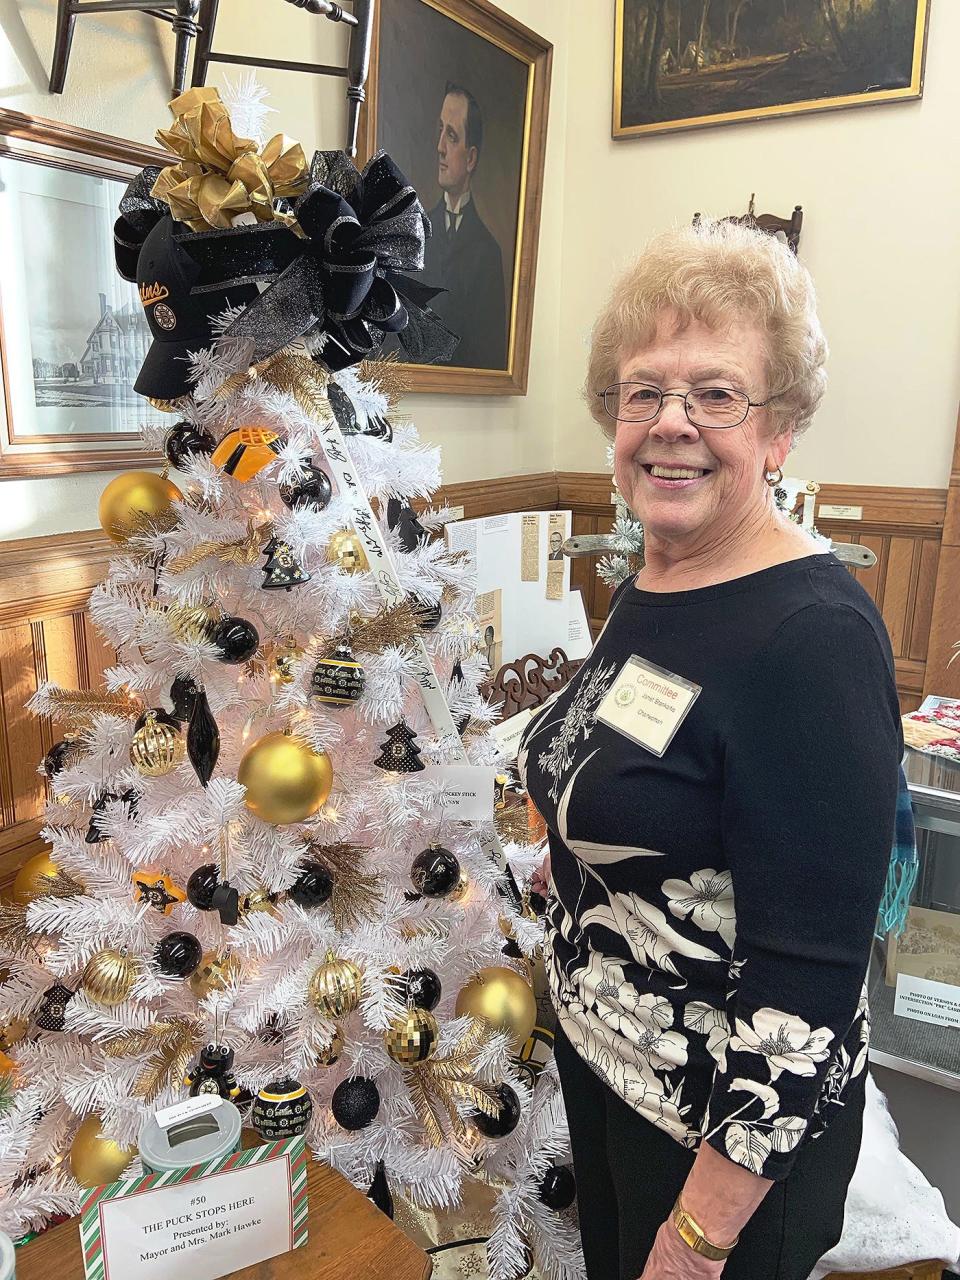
717, 272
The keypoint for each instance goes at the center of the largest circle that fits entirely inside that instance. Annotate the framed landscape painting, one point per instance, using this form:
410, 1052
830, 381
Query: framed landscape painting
458, 97
683, 64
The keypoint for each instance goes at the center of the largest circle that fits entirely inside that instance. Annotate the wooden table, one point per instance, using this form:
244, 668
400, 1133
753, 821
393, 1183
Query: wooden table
350, 1239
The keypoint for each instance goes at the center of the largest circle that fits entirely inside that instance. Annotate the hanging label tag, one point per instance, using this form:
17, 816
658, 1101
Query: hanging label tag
648, 704
509, 732
468, 791
189, 1109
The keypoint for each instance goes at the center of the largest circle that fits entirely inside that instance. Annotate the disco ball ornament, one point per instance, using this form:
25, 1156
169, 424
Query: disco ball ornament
285, 779
412, 1038
282, 1109
133, 500
336, 987
345, 550
330, 1053
217, 971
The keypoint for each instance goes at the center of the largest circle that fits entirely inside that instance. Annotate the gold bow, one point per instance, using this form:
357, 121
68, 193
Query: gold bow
220, 175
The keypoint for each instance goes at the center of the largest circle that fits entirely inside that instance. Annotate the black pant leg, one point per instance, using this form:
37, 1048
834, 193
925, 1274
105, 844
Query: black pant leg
585, 1097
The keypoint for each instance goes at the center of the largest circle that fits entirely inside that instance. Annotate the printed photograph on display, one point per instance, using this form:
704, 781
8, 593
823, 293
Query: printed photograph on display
682, 64
458, 101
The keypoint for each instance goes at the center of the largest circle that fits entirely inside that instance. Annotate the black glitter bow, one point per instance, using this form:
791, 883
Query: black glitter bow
139, 214
344, 276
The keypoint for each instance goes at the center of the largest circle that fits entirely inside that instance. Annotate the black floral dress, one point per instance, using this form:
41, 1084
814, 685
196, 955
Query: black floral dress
711, 910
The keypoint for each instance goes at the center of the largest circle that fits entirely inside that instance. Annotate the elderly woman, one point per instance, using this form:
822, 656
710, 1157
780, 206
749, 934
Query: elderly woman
720, 785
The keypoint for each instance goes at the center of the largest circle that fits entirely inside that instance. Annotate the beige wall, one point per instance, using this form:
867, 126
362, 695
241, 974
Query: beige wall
880, 190
117, 83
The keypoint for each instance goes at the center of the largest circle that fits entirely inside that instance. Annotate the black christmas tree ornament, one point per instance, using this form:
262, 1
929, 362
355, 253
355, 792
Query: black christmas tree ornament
435, 872
184, 441
178, 954
355, 1103
312, 887
506, 1120
213, 1073
400, 753
202, 885
402, 519
338, 681
281, 571
427, 615
422, 988
282, 1109
312, 489
51, 1012
236, 639
343, 410
379, 1191
558, 1190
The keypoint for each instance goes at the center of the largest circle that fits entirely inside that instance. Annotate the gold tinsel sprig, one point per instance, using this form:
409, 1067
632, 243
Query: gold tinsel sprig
170, 1044
357, 894
243, 551
16, 939
439, 1084
394, 625
386, 375
78, 708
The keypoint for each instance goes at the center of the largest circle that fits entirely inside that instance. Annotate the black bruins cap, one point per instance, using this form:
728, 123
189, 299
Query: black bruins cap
179, 320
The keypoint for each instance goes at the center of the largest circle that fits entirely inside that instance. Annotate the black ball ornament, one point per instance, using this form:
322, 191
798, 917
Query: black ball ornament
499, 1126
435, 872
422, 988
202, 885
427, 615
312, 887
236, 638
558, 1190
178, 954
185, 441
355, 1103
313, 489
282, 1109
58, 757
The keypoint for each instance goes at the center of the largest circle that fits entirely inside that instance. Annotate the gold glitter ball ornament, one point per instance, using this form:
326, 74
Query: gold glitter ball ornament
345, 549
217, 971
412, 1038
285, 779
336, 987
109, 977
501, 997
193, 623
94, 1160
132, 500
328, 1055
30, 880
157, 748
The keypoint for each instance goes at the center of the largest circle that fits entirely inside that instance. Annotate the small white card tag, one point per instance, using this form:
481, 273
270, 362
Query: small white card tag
468, 791
648, 704
187, 1110
509, 732
927, 1001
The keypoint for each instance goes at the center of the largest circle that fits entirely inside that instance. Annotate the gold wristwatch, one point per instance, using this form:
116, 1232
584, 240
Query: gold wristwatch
691, 1235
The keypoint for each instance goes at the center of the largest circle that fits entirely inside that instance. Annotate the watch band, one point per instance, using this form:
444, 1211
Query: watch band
691, 1234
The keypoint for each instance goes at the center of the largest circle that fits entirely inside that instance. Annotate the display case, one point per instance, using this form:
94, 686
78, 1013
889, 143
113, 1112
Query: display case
915, 979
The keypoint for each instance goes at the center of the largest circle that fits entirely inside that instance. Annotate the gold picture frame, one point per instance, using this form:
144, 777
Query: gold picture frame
54, 400
420, 49
674, 69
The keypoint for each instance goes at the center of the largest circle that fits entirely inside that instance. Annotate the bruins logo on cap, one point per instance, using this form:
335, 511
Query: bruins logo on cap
165, 316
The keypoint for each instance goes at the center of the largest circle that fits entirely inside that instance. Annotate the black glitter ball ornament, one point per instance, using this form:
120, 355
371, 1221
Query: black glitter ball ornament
427, 615
202, 885
422, 988
282, 1109
312, 887
51, 1012
506, 1121
343, 410
355, 1103
236, 638
435, 872
340, 680
558, 1190
185, 441
313, 489
178, 954
379, 1191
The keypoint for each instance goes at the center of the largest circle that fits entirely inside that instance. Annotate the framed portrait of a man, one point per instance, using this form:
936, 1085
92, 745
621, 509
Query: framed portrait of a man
458, 96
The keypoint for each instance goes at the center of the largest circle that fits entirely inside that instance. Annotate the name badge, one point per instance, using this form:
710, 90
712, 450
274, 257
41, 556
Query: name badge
648, 704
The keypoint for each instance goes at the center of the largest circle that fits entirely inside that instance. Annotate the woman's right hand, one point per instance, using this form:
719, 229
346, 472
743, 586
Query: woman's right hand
540, 880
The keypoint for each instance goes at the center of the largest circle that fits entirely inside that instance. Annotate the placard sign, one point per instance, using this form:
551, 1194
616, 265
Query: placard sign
203, 1222
927, 1001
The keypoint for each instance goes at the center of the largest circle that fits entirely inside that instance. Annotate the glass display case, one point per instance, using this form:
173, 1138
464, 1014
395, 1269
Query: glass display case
915, 979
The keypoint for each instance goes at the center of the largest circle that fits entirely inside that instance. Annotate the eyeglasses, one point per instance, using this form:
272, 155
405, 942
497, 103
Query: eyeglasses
716, 408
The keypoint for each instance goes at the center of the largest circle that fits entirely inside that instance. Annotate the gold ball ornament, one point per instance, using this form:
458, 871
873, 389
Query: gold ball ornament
504, 999
217, 971
336, 987
12, 1033
345, 550
94, 1160
412, 1038
109, 977
329, 1054
284, 660
286, 780
132, 500
157, 748
192, 623
29, 882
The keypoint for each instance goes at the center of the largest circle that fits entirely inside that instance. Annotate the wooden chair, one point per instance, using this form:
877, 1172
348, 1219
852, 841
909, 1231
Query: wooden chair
181, 14
768, 222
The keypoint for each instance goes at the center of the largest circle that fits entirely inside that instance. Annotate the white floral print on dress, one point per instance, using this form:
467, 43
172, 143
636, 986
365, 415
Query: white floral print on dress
787, 1042
706, 899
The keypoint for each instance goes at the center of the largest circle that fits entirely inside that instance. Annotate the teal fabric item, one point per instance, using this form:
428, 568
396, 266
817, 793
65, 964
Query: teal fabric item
904, 868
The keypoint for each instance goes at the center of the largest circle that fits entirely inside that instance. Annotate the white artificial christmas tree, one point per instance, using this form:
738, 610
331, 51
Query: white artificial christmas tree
233, 862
